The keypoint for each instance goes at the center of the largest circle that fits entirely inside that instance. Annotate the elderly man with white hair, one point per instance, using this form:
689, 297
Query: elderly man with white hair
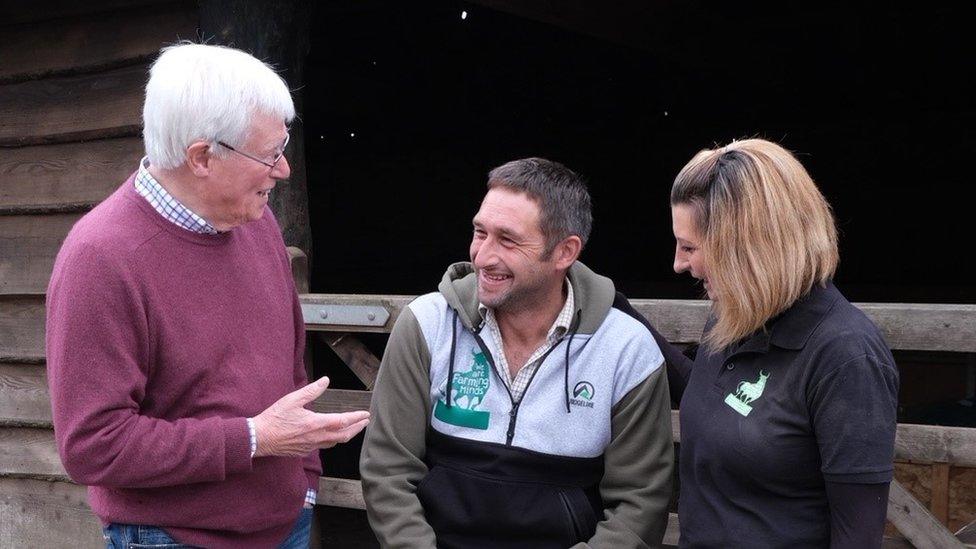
175, 338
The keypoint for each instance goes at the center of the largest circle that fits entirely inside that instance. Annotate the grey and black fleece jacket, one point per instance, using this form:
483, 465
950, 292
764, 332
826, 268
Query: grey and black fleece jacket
583, 460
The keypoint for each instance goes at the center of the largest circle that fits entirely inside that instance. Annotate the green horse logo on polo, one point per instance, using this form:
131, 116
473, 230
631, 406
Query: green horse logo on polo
468, 389
745, 393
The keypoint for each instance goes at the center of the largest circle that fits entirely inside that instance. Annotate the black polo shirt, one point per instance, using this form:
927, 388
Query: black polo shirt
764, 424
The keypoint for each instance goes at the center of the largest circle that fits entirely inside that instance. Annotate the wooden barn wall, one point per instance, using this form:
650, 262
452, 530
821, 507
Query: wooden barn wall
71, 80
71, 86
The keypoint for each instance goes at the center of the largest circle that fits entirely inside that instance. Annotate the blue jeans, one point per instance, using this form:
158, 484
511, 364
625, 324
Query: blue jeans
133, 536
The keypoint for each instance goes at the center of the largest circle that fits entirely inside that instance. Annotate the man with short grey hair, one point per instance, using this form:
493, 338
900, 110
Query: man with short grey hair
175, 338
523, 405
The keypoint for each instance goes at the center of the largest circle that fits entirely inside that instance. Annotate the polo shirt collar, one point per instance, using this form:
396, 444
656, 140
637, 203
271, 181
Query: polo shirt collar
793, 328
797, 324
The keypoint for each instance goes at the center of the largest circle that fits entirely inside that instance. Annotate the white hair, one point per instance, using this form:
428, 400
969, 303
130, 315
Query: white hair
198, 92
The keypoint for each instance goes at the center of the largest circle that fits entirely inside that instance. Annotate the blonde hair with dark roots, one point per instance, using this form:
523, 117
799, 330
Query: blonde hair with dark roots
768, 234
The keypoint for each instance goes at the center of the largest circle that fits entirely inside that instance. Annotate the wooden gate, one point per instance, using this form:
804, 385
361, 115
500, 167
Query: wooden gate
920, 327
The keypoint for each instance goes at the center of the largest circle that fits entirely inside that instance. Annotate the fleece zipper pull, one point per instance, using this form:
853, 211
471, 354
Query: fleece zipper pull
512, 416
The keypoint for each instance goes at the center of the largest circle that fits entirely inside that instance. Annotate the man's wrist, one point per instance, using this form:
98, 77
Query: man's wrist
253, 434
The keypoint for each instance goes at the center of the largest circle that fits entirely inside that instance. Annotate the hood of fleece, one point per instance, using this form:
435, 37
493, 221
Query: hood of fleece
593, 295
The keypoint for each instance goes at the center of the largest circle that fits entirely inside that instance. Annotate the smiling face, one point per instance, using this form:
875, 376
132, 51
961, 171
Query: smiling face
688, 255
239, 186
507, 250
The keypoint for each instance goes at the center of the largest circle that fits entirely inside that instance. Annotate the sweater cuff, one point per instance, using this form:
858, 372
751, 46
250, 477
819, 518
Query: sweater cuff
253, 434
237, 446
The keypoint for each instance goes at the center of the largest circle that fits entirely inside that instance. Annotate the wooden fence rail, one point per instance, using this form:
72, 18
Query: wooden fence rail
906, 326
28, 454
918, 327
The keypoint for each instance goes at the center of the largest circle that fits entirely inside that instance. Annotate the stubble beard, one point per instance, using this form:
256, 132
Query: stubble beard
515, 300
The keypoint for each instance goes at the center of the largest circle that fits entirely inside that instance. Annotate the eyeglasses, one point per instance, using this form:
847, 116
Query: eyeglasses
274, 161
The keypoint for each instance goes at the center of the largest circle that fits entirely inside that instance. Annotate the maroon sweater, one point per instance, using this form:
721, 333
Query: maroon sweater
160, 342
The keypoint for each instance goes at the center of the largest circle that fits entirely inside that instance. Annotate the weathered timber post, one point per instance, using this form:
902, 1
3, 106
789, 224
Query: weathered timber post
275, 32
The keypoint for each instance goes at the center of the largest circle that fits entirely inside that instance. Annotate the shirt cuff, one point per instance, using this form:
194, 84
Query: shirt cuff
310, 497
253, 434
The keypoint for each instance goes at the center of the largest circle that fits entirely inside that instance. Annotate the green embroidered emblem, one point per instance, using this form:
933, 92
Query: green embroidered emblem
584, 390
468, 389
745, 393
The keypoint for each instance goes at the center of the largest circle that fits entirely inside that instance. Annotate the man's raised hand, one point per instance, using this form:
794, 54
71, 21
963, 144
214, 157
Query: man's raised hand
286, 428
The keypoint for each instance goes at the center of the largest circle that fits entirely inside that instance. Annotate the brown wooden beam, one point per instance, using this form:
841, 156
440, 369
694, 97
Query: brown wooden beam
916, 523
341, 400
22, 328
907, 326
355, 355
28, 246
65, 176
93, 42
72, 108
41, 513
14, 12
340, 492
24, 395
277, 33
936, 444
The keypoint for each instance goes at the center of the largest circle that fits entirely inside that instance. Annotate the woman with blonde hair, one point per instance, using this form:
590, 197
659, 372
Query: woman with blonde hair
788, 409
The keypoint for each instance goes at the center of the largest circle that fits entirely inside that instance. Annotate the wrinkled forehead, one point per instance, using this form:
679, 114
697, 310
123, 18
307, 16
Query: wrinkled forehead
509, 209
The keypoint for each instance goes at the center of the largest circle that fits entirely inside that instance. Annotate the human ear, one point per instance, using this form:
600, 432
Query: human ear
568, 251
198, 158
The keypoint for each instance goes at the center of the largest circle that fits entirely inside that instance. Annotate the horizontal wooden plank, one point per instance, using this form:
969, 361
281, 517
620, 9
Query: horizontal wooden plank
934, 444
72, 108
95, 41
17, 337
24, 397
923, 444
17, 11
48, 209
341, 400
30, 452
678, 320
925, 326
24, 401
340, 492
28, 247
906, 326
66, 175
348, 493
38, 513
21, 328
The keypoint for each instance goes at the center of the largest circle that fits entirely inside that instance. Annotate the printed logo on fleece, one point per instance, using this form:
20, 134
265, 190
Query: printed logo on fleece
603, 366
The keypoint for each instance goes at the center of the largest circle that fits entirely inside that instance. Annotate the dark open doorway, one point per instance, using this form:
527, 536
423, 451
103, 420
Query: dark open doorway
408, 105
